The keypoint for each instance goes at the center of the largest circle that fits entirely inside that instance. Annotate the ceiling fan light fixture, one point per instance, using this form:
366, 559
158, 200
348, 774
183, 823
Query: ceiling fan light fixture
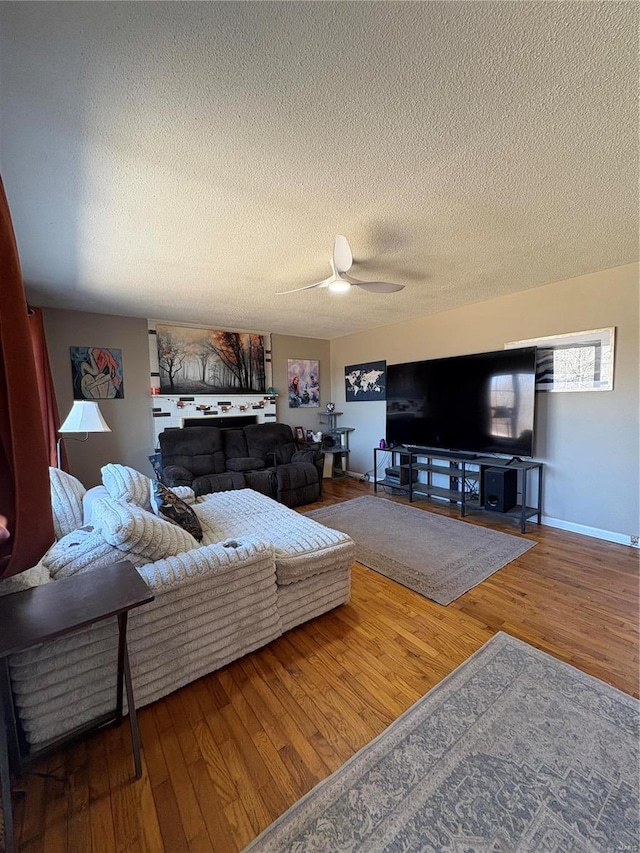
339, 285
339, 281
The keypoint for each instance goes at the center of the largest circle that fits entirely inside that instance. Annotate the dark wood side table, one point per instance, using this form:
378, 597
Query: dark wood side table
54, 610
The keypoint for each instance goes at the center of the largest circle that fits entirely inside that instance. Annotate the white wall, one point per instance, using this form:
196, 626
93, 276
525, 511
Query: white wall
589, 441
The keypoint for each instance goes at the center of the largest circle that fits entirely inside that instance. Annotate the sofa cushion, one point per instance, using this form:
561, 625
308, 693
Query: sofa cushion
297, 483
90, 497
302, 547
196, 448
167, 505
218, 482
82, 550
248, 463
35, 576
284, 452
139, 533
127, 484
234, 444
265, 440
66, 502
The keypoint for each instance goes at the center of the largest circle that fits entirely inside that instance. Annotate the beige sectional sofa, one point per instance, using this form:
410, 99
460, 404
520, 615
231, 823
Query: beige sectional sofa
260, 570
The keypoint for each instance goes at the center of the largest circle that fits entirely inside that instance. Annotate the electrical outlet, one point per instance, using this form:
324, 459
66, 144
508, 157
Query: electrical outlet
634, 541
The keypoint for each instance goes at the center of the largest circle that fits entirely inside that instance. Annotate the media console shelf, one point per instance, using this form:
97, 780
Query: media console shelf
465, 474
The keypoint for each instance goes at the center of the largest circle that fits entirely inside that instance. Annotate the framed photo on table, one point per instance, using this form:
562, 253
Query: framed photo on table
300, 434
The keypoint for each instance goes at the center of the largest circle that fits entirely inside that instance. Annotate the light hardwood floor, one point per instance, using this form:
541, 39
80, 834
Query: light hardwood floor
223, 757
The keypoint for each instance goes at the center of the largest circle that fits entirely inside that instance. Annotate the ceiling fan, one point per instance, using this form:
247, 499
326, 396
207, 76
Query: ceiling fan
339, 281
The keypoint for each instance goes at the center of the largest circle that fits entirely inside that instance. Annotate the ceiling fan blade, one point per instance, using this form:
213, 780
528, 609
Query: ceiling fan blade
324, 283
342, 257
375, 286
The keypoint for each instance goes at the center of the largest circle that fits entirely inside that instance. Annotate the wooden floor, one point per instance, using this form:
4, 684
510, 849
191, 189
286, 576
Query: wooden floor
223, 757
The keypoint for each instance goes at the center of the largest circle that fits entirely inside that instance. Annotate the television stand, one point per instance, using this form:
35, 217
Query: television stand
458, 478
433, 451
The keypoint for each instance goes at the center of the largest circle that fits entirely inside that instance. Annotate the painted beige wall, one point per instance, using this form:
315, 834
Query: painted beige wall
588, 441
284, 347
130, 440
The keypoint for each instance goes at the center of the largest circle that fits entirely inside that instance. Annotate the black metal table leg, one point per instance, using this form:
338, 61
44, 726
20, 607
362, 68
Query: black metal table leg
540, 494
523, 514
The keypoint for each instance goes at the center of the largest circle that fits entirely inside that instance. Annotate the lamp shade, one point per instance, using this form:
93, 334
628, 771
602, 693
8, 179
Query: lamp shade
85, 416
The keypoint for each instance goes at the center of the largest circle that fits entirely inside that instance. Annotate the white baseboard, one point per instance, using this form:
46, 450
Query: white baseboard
583, 529
594, 532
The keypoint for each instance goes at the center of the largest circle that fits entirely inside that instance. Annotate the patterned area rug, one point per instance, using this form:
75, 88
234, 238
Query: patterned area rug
439, 557
514, 751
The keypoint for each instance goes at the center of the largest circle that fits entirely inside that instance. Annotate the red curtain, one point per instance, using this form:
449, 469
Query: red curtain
48, 404
24, 459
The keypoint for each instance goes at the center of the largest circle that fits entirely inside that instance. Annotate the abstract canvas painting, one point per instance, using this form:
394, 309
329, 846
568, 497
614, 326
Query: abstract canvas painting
365, 381
303, 377
96, 373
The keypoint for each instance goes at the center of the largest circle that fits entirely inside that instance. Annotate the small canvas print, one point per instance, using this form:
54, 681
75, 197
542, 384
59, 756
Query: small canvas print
365, 381
97, 373
303, 377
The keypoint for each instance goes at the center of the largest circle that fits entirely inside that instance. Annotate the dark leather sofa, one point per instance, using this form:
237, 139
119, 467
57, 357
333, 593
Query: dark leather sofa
264, 457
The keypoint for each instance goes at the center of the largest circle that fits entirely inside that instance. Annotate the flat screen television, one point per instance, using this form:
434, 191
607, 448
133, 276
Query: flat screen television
480, 403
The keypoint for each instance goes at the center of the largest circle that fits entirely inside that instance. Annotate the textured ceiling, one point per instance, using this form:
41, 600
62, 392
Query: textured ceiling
186, 161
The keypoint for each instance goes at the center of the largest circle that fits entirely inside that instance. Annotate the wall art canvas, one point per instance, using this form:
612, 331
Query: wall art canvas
303, 378
97, 373
209, 361
366, 381
579, 361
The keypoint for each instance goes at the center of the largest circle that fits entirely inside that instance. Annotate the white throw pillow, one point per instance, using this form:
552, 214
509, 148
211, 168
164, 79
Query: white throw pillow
135, 531
127, 484
66, 502
83, 550
90, 497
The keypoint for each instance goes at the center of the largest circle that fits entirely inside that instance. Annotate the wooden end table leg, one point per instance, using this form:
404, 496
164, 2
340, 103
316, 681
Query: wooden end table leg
5, 772
123, 669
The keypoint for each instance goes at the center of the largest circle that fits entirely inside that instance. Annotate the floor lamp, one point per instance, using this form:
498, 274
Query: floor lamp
85, 416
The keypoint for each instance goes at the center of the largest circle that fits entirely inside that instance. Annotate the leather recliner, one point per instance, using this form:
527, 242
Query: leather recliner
298, 471
264, 457
194, 457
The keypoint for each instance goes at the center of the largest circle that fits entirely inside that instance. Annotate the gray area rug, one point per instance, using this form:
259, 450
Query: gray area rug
514, 751
439, 557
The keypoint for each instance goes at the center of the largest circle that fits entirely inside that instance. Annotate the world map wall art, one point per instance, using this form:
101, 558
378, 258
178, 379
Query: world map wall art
365, 381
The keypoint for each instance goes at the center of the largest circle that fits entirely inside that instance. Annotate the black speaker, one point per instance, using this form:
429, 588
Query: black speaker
500, 489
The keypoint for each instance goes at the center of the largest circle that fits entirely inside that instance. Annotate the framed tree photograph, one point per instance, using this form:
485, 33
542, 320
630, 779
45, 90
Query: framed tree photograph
210, 361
